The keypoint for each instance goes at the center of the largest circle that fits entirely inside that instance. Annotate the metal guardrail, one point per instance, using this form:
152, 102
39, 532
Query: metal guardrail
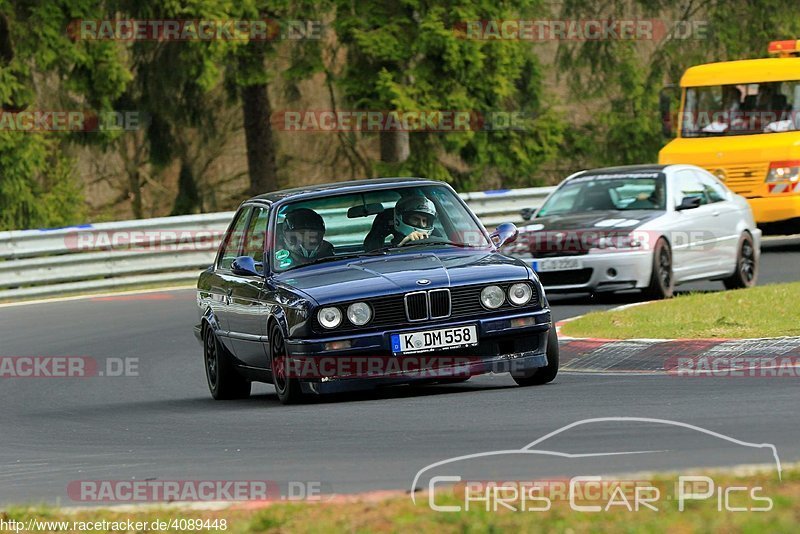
166, 250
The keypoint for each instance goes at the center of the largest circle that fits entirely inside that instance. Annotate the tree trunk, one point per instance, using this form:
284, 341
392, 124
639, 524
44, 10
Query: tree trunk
135, 192
394, 146
188, 200
260, 142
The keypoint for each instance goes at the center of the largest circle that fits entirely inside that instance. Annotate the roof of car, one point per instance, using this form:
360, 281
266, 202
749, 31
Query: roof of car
650, 167
353, 186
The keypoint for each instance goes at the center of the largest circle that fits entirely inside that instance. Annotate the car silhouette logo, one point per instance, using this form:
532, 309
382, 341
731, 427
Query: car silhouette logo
423, 282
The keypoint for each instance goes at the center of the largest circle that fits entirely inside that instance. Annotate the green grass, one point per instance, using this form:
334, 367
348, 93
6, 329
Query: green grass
767, 311
399, 514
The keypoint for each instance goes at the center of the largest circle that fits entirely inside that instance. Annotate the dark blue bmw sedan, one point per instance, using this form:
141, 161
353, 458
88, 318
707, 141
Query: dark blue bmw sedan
358, 284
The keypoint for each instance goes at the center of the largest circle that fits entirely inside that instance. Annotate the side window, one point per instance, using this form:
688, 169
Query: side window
256, 235
448, 212
689, 185
233, 241
715, 190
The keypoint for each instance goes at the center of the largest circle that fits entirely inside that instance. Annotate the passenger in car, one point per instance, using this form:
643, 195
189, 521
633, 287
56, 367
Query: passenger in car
655, 200
304, 238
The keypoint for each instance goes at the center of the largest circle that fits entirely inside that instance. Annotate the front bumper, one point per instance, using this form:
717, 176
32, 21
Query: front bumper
370, 362
610, 271
775, 208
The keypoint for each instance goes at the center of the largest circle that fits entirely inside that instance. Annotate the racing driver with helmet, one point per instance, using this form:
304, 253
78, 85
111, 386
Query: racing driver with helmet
411, 220
303, 237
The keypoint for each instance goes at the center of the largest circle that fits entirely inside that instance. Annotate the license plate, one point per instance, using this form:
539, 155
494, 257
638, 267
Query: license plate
557, 264
443, 339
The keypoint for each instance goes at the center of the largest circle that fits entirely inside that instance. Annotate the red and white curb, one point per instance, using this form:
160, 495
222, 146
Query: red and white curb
763, 357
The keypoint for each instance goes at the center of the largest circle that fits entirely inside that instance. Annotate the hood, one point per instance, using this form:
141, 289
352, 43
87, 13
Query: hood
609, 220
399, 272
576, 233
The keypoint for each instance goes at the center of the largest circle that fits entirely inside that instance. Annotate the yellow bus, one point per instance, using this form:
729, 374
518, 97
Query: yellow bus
740, 120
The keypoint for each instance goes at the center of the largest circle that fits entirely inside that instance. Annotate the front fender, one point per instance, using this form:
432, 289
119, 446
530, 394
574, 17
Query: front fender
277, 316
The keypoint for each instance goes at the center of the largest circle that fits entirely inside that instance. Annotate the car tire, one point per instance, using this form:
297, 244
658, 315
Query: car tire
546, 374
224, 382
662, 281
287, 388
746, 274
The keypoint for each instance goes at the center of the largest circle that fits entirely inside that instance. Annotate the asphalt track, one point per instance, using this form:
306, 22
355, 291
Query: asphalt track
163, 425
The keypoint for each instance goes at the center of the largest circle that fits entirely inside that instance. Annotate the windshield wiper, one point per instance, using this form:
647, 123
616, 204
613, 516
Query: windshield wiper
347, 256
427, 243
381, 252
336, 257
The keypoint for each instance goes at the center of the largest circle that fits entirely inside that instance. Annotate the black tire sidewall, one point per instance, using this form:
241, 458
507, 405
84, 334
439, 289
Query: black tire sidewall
211, 338
230, 384
548, 373
657, 289
291, 393
737, 281
747, 238
275, 334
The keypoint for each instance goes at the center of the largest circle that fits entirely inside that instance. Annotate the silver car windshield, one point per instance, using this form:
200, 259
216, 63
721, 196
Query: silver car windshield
608, 192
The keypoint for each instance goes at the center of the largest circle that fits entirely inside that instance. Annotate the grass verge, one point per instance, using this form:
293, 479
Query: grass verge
766, 311
399, 514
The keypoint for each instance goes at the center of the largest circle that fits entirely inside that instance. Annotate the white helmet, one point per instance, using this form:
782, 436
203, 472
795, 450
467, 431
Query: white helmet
413, 205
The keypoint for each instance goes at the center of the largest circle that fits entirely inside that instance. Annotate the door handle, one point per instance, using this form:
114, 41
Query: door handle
715, 214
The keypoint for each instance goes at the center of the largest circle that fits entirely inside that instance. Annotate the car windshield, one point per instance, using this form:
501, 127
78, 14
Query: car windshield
742, 109
604, 192
351, 225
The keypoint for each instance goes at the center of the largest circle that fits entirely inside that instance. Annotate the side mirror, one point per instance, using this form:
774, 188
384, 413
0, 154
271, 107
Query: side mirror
527, 213
504, 234
244, 266
688, 203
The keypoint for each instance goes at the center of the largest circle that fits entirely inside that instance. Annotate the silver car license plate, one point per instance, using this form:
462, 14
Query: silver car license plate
557, 264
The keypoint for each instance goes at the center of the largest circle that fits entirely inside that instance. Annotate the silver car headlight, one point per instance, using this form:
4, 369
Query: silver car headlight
359, 313
520, 294
329, 317
492, 297
619, 242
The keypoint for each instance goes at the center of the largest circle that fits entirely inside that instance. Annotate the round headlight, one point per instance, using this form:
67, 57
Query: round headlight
359, 313
329, 317
520, 294
492, 297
